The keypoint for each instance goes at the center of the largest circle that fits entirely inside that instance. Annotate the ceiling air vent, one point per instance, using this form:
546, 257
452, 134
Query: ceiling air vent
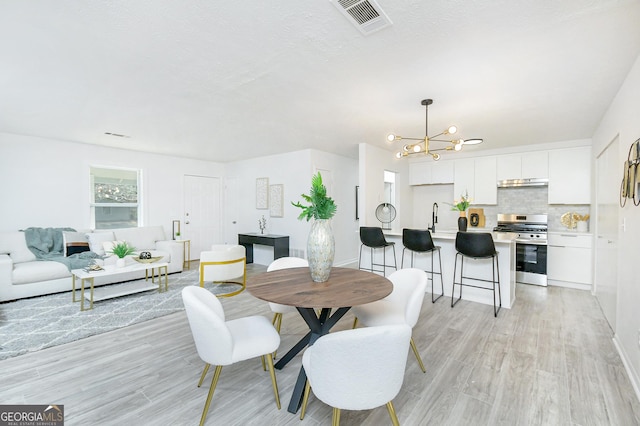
366, 15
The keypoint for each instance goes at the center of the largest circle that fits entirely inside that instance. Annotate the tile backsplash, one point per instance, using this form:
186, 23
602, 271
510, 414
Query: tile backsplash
523, 200
531, 200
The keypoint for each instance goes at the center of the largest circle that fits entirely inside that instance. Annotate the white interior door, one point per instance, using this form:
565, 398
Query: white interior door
230, 228
607, 194
203, 213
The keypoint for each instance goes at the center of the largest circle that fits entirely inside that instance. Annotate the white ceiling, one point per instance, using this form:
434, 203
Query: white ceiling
225, 81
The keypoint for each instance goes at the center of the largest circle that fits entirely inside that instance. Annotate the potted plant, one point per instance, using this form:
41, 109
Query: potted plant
461, 206
320, 244
122, 249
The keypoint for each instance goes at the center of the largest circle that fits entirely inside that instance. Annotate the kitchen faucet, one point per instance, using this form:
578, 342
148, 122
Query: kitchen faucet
434, 217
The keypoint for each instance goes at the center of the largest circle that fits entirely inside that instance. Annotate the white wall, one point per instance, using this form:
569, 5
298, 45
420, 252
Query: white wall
373, 162
622, 119
45, 182
294, 170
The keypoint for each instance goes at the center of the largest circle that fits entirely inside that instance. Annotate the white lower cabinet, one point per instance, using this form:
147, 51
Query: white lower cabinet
569, 260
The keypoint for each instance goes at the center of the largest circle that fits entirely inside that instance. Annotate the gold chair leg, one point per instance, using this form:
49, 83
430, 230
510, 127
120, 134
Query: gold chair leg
417, 354
277, 323
392, 414
204, 373
272, 372
336, 417
305, 399
214, 383
264, 366
355, 322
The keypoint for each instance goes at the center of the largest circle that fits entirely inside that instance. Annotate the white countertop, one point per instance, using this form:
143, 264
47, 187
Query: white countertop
450, 234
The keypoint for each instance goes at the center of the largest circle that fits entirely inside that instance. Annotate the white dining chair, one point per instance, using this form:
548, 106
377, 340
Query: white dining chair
277, 308
357, 369
220, 342
402, 306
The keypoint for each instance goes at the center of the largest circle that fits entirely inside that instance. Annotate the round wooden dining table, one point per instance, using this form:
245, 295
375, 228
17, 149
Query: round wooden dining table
345, 288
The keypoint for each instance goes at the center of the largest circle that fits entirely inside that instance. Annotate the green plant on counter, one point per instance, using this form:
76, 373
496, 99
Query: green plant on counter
322, 207
122, 249
462, 204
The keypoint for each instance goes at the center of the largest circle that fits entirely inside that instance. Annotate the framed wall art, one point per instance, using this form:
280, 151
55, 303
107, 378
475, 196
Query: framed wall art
262, 193
276, 204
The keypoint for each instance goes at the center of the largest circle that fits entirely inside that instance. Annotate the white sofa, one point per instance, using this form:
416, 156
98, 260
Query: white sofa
22, 275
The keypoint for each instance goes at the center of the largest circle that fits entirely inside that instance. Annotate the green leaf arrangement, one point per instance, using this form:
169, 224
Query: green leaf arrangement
462, 204
321, 206
122, 249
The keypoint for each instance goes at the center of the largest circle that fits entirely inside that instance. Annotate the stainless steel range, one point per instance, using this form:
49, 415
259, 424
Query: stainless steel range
531, 245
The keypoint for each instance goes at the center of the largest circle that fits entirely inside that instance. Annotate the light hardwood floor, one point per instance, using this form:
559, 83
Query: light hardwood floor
548, 361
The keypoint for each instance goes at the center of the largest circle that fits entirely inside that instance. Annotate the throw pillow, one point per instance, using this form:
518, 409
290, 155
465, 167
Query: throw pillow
74, 242
96, 239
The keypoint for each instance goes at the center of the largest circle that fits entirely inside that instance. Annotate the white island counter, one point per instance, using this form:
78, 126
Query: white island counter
505, 246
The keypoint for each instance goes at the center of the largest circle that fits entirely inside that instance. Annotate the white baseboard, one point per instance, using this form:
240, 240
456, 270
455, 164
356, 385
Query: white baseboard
633, 375
568, 284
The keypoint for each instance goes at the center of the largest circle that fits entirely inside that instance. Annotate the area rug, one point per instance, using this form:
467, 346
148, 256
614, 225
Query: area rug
36, 323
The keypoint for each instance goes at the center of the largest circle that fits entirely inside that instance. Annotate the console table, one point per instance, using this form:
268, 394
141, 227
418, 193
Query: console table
280, 244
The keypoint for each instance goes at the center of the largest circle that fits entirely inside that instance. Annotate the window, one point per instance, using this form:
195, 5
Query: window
389, 187
114, 198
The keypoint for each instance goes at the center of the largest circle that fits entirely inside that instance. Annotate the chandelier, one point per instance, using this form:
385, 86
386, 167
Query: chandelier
423, 146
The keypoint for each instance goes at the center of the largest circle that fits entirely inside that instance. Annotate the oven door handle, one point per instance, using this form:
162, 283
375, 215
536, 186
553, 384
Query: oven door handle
532, 243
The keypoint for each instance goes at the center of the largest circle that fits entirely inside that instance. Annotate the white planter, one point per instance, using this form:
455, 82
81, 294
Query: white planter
120, 263
321, 249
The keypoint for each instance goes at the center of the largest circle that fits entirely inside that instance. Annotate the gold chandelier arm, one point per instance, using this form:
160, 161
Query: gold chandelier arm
401, 138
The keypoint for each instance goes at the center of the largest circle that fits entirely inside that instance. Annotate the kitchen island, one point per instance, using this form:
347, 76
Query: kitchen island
505, 246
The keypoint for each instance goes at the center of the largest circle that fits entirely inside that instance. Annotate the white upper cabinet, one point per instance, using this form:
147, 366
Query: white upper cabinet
535, 165
527, 165
570, 176
431, 172
486, 191
478, 178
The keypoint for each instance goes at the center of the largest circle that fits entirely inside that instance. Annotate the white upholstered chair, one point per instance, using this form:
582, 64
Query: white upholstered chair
402, 306
277, 308
357, 369
221, 342
224, 264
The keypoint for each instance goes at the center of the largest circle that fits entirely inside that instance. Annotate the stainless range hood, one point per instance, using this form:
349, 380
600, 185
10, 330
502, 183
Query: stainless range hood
514, 183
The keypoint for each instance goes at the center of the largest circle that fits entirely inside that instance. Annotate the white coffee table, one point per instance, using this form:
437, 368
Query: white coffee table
104, 292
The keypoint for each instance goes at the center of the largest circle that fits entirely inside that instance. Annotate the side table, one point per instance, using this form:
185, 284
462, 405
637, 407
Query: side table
186, 253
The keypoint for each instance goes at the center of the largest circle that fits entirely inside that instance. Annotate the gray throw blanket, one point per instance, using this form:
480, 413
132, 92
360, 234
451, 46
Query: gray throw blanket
48, 244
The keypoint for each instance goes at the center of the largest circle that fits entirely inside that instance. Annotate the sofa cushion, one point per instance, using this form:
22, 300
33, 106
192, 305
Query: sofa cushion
142, 238
15, 245
75, 242
30, 272
96, 239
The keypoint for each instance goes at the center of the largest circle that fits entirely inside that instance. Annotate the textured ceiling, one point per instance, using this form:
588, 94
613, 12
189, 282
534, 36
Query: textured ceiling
230, 80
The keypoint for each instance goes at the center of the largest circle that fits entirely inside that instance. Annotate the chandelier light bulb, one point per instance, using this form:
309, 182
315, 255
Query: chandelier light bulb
423, 145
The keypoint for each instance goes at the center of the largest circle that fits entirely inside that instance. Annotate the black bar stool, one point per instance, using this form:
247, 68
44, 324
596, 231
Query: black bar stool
373, 238
476, 245
419, 241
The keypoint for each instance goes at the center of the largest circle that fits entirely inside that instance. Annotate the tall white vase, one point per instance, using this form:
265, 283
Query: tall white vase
321, 249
